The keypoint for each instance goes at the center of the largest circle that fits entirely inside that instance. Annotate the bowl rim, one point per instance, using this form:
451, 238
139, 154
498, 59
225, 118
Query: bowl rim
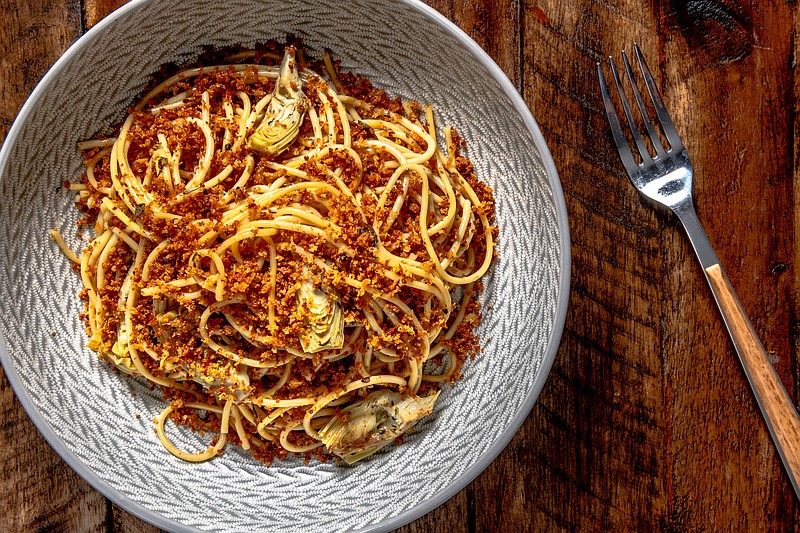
507, 434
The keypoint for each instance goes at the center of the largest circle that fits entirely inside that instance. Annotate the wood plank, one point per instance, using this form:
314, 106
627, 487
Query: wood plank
47, 27
37, 490
594, 459
96, 10
794, 332
693, 437
495, 27
124, 522
732, 61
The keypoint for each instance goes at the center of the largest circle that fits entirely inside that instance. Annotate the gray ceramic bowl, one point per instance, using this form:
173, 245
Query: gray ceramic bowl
88, 413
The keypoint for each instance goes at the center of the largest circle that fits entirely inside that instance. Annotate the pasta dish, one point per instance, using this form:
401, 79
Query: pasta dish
286, 252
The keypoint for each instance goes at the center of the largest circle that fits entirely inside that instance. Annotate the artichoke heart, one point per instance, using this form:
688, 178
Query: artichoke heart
223, 379
324, 318
369, 424
285, 111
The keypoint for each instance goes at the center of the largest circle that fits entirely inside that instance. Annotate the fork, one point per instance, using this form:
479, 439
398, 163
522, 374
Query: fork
666, 178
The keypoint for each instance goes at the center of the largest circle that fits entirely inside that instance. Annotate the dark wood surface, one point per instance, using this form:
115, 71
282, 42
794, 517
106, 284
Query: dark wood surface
646, 421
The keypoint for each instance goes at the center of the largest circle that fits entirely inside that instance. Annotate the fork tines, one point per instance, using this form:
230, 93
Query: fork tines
658, 104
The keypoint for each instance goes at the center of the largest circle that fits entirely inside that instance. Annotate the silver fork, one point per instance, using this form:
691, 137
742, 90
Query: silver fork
666, 178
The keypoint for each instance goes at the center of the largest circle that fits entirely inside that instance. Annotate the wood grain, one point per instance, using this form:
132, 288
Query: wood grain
96, 10
777, 408
598, 431
729, 108
646, 421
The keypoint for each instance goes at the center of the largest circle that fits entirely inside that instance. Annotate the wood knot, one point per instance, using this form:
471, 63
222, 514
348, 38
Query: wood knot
777, 268
723, 33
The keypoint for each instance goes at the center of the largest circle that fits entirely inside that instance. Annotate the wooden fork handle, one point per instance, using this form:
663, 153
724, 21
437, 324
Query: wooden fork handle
776, 406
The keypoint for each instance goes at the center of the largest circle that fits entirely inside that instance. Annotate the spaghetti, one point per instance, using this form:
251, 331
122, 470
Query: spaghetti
292, 259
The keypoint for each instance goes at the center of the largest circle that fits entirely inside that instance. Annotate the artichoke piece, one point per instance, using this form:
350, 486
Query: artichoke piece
285, 111
223, 380
324, 318
369, 424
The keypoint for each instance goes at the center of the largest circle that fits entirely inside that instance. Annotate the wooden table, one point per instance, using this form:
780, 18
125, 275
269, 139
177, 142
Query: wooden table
646, 421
